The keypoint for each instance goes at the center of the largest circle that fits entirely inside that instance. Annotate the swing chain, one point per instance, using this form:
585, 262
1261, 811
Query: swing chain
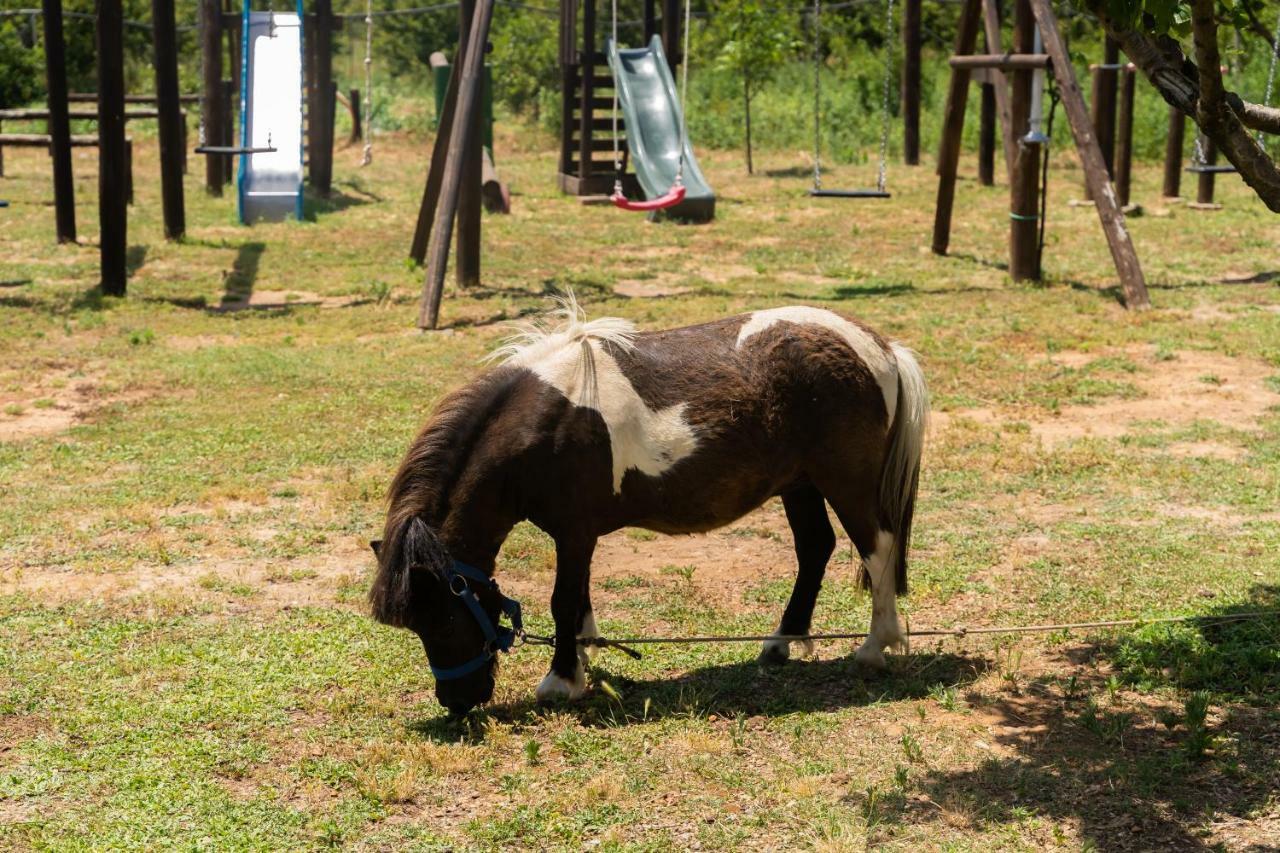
889, 38
817, 94
1271, 73
367, 156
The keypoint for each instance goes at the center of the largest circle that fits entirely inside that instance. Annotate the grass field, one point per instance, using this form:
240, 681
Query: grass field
189, 477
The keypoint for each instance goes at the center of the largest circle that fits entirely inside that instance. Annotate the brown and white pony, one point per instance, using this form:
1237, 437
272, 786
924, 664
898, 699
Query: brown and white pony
592, 426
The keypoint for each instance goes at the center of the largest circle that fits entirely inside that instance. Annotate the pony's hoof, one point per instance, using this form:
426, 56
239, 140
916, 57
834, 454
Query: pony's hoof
871, 658
557, 688
774, 653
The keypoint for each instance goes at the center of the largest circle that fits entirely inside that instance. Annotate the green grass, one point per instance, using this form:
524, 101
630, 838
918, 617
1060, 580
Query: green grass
184, 655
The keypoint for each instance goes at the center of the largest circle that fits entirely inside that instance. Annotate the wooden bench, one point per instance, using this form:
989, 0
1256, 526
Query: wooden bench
78, 140
75, 115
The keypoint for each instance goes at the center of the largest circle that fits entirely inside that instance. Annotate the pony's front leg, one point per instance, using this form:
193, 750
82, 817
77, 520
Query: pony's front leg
568, 676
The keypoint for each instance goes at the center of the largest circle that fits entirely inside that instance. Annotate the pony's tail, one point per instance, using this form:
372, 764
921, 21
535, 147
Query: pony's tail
901, 475
407, 544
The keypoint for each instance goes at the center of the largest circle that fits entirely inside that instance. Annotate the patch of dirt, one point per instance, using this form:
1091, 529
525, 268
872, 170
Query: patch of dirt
648, 289
275, 299
1203, 450
191, 343
1192, 386
55, 401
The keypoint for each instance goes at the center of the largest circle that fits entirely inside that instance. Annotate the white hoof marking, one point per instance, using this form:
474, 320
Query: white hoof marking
588, 630
555, 687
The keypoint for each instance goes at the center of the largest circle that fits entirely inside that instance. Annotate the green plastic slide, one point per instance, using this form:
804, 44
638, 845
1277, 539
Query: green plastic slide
647, 96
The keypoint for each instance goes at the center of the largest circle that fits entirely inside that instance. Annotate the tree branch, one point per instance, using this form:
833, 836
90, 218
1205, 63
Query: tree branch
1223, 116
1204, 35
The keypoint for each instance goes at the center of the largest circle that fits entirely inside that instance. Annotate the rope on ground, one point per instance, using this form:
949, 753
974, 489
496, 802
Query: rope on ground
959, 632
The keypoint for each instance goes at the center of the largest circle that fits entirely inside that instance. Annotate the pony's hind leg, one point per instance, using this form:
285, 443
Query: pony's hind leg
856, 511
814, 541
886, 631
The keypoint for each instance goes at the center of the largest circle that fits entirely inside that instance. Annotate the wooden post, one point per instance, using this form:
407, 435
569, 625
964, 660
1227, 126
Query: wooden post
987, 136
211, 91
1173, 152
113, 211
1103, 104
1024, 184
1106, 118
991, 31
471, 71
357, 126
587, 74
467, 268
568, 81
64, 190
670, 32
1124, 135
911, 41
650, 20
172, 124
228, 130
128, 170
322, 124
1126, 259
1204, 182
439, 153
953, 127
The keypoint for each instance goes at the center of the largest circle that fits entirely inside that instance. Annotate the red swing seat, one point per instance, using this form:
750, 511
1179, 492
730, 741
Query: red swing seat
671, 198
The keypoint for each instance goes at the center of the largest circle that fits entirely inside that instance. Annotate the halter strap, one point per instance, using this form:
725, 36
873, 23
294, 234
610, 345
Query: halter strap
497, 638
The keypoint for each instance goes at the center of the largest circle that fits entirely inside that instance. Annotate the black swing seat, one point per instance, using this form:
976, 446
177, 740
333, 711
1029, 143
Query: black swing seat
849, 194
1211, 170
233, 149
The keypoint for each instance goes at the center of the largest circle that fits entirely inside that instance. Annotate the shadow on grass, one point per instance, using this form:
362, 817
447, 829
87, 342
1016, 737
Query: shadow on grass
134, 258
1155, 773
735, 689
314, 206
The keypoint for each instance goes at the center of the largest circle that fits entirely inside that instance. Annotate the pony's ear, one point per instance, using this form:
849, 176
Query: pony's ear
376, 545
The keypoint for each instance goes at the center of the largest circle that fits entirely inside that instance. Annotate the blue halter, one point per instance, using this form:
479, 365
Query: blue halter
496, 637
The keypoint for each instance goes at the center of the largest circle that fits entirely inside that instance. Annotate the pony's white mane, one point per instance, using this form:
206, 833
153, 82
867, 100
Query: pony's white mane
565, 325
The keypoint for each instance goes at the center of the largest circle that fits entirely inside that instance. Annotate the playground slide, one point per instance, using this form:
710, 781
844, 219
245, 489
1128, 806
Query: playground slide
271, 106
647, 96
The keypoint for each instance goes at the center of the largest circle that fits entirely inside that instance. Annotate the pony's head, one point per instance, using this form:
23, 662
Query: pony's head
453, 608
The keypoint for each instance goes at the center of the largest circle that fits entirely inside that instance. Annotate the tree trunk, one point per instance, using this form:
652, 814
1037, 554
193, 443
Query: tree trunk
746, 103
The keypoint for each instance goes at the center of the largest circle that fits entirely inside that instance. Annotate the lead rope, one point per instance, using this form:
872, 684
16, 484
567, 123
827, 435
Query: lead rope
890, 35
817, 95
959, 632
367, 157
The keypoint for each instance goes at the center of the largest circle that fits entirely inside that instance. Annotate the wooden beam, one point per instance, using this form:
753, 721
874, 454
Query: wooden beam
1124, 135
172, 146
470, 80
439, 154
991, 31
1003, 61
953, 127
1095, 168
92, 98
1173, 142
910, 89
320, 123
467, 256
1205, 180
59, 127
987, 136
1024, 181
113, 156
45, 140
